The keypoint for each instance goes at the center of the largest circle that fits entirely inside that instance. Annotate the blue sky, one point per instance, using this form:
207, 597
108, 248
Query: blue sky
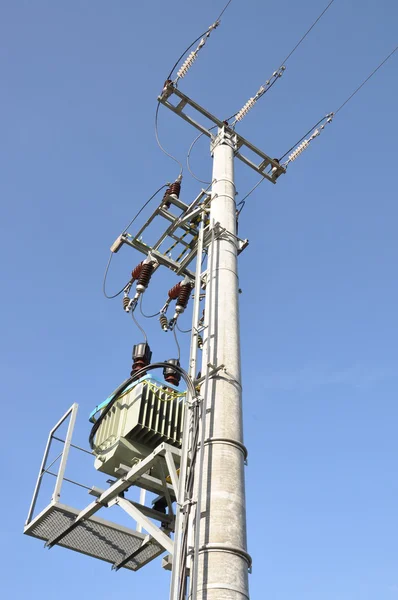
318, 308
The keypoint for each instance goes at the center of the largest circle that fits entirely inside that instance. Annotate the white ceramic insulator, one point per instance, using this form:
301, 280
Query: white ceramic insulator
187, 64
299, 150
243, 111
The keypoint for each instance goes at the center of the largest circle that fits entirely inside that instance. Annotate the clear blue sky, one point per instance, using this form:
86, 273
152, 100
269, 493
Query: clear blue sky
319, 279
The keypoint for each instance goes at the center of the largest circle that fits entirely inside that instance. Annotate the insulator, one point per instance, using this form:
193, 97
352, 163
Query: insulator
303, 146
187, 64
245, 109
136, 272
173, 190
126, 302
164, 323
170, 374
174, 291
145, 274
183, 296
200, 342
141, 357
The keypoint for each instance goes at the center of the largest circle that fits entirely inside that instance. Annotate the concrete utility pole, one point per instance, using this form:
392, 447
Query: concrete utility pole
223, 562
214, 518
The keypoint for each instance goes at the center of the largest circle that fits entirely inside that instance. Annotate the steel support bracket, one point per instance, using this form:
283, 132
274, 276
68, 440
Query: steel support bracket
224, 136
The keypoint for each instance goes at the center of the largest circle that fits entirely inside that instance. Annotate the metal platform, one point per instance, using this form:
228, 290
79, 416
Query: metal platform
84, 532
95, 537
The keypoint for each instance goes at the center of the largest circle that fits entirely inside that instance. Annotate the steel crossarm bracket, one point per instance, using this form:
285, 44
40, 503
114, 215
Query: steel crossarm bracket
166, 490
146, 510
117, 488
214, 370
166, 261
242, 144
164, 540
172, 470
154, 485
180, 221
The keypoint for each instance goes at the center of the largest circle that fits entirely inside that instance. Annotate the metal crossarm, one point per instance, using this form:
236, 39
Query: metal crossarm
265, 162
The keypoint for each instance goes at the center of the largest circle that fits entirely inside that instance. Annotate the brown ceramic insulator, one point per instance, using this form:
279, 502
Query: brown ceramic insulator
173, 379
174, 189
126, 301
174, 292
141, 357
164, 322
184, 294
136, 272
145, 275
170, 374
138, 364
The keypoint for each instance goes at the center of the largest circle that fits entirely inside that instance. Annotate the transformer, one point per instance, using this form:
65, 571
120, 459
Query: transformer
146, 414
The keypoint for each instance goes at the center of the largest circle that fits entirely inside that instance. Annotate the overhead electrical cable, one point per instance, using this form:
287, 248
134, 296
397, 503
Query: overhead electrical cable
276, 74
239, 115
366, 80
314, 131
307, 32
145, 315
176, 341
123, 232
139, 327
160, 145
197, 40
183, 330
302, 138
183, 71
304, 142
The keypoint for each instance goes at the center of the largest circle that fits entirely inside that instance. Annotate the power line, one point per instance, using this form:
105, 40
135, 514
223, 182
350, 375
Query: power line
104, 281
139, 327
183, 330
276, 75
182, 72
160, 145
366, 80
330, 116
177, 344
302, 138
223, 10
147, 316
307, 32
196, 41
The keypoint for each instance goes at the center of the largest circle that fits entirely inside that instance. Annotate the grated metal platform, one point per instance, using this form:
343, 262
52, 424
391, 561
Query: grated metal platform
95, 537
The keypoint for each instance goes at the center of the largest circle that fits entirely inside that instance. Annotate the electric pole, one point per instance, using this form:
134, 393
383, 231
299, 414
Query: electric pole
217, 560
223, 562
